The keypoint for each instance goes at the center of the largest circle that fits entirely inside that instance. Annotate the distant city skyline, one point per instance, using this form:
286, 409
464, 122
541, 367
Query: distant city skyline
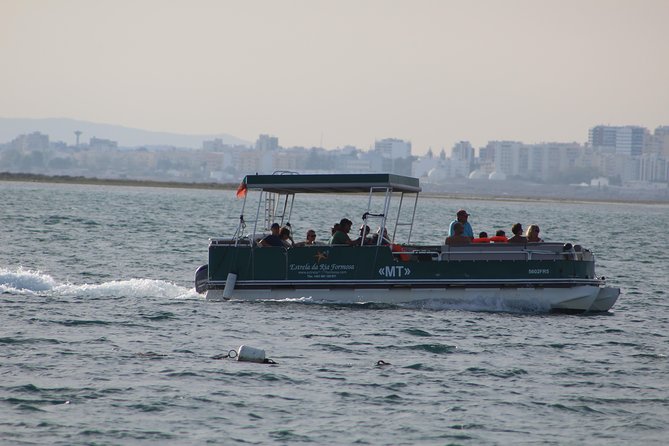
75, 132
633, 160
340, 73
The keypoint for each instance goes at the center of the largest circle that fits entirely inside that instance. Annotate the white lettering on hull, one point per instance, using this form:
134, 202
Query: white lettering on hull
395, 271
322, 270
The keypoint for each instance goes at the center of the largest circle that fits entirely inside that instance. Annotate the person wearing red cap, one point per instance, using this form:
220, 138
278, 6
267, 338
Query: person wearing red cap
461, 217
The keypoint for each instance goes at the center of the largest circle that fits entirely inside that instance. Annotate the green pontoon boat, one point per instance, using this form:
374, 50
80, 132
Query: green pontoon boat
542, 276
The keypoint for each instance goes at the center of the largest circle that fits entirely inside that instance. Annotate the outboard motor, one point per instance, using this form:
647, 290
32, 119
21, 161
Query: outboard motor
202, 279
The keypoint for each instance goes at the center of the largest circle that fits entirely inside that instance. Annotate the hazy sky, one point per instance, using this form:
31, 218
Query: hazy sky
344, 72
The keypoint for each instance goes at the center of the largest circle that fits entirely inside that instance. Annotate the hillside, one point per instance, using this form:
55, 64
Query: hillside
62, 129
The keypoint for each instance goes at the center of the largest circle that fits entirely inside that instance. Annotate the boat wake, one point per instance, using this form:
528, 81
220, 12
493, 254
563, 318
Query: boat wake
21, 281
482, 304
475, 304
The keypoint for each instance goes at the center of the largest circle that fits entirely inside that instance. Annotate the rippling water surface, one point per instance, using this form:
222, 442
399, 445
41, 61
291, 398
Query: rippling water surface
104, 341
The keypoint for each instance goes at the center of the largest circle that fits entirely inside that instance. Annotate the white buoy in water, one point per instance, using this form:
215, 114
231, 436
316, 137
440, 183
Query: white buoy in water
229, 285
250, 354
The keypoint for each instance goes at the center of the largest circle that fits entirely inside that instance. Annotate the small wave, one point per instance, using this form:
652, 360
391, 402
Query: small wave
420, 366
32, 404
287, 437
8, 340
82, 322
650, 356
497, 373
182, 374
29, 388
417, 332
434, 348
333, 348
159, 316
150, 355
578, 409
24, 407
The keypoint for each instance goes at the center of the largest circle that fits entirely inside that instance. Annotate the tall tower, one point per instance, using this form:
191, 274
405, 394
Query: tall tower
78, 133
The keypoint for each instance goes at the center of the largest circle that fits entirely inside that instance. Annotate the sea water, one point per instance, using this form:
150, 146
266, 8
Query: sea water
104, 341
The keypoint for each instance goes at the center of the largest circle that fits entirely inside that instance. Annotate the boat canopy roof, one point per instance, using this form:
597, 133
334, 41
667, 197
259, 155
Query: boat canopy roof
331, 183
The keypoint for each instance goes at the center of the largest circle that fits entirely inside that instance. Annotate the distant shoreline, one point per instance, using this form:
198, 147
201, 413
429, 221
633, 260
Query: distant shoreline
67, 179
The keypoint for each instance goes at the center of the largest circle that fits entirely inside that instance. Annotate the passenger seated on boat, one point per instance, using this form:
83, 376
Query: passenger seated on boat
385, 240
518, 236
273, 239
364, 236
286, 239
500, 237
482, 238
310, 239
458, 238
532, 234
334, 229
341, 236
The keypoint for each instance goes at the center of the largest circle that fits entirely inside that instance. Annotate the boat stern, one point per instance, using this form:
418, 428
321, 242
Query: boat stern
605, 299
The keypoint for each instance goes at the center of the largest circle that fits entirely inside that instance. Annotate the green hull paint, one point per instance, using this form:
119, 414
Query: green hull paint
332, 264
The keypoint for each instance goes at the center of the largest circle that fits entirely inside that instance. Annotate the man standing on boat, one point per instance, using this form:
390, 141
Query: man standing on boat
461, 217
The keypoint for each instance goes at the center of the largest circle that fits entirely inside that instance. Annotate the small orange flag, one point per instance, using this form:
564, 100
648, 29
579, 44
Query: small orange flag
241, 190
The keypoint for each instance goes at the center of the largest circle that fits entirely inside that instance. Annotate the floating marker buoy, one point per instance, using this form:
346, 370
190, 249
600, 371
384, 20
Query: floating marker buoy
250, 354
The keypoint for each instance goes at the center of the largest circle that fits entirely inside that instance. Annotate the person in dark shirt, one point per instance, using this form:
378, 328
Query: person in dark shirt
365, 239
286, 239
273, 239
500, 237
518, 236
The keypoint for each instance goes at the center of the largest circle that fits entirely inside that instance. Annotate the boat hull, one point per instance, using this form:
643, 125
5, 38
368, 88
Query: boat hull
576, 299
487, 278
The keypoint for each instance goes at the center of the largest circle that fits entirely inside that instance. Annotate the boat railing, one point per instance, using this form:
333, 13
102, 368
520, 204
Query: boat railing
509, 251
230, 241
423, 253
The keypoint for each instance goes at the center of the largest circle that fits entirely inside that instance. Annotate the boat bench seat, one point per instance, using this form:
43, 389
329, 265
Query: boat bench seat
505, 251
499, 251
